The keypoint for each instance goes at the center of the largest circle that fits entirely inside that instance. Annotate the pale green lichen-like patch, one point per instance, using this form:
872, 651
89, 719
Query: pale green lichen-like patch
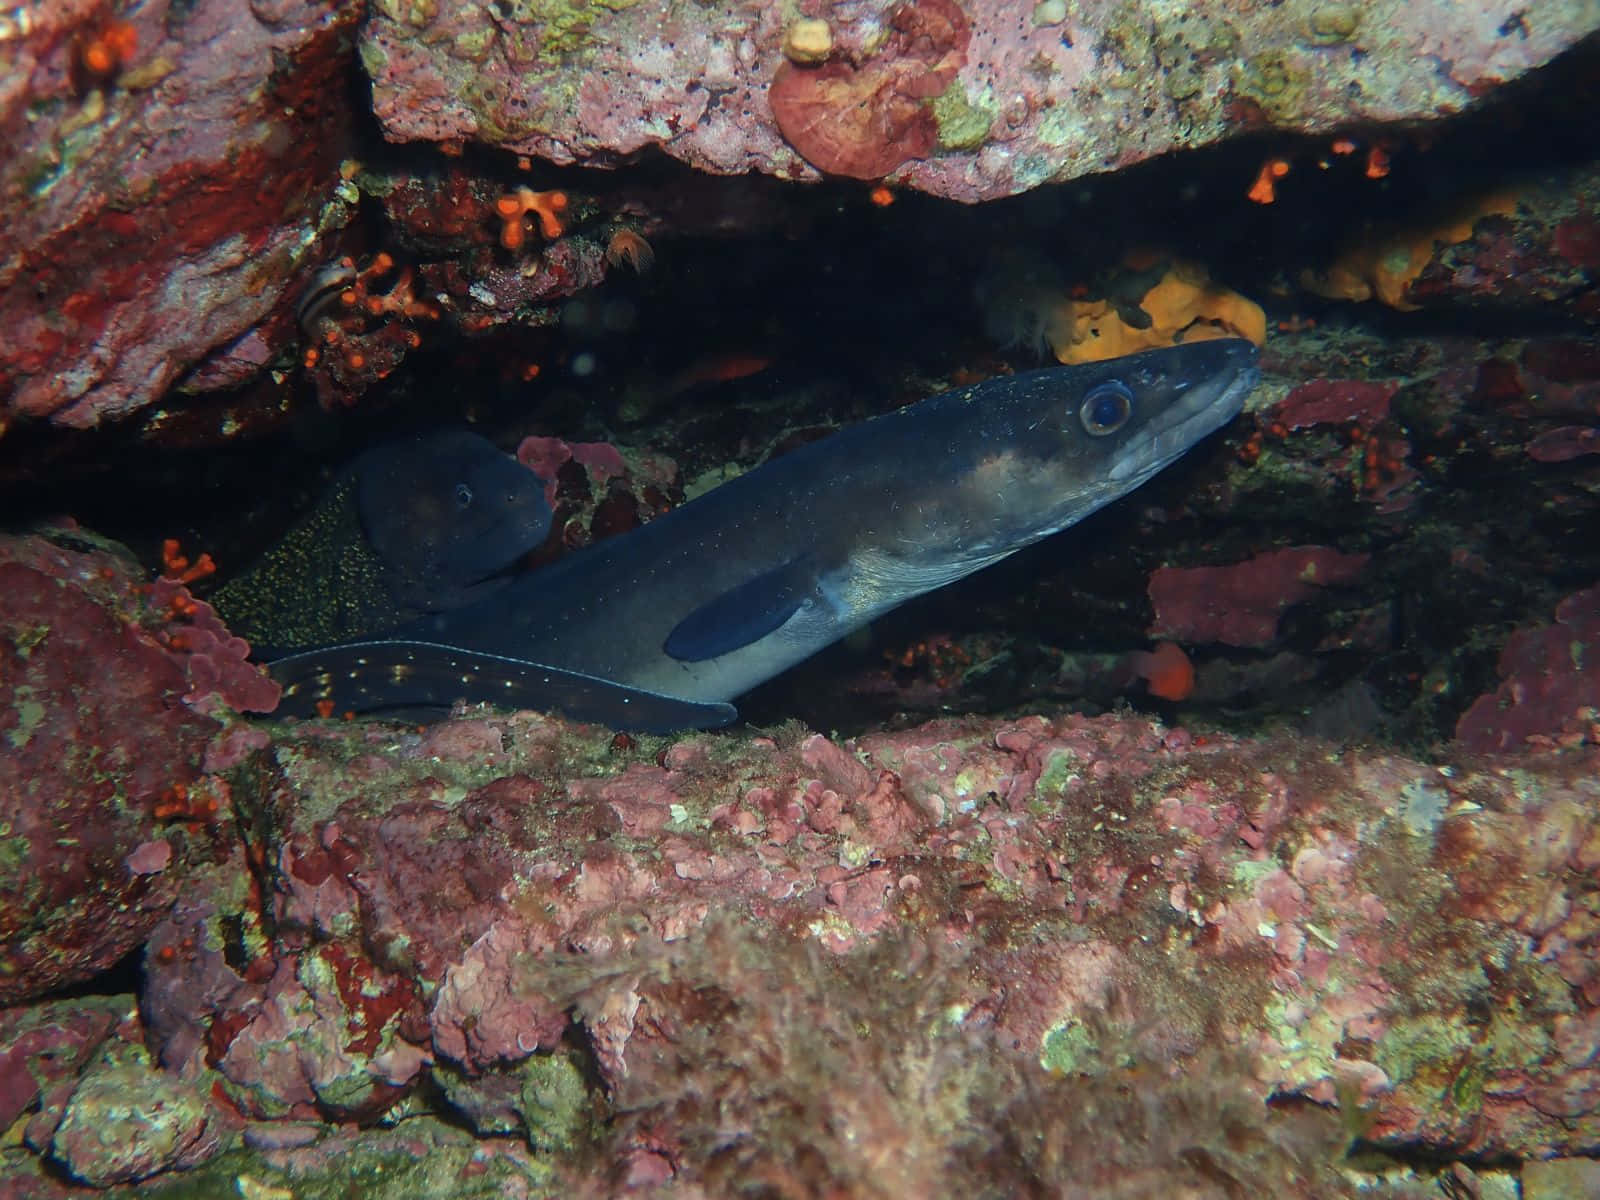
831, 925
564, 27
554, 1103
416, 13
1067, 1048
125, 1119
1276, 82
1248, 872
963, 787
1332, 24
1050, 12
1060, 772
474, 45
30, 715
855, 854
374, 62
425, 1158
1416, 1046
963, 124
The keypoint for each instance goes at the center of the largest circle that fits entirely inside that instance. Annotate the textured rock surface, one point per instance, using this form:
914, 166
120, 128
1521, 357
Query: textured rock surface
1550, 684
1045, 92
104, 803
1086, 892
158, 209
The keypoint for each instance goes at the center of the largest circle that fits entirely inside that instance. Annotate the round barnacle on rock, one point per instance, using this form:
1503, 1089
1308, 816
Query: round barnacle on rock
808, 40
1050, 12
1331, 24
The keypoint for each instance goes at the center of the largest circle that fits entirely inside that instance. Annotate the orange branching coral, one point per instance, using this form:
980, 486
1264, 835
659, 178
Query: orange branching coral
358, 329
628, 246
513, 210
175, 565
1152, 302
1386, 264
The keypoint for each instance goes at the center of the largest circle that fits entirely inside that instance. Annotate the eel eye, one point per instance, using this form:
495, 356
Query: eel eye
463, 496
1106, 408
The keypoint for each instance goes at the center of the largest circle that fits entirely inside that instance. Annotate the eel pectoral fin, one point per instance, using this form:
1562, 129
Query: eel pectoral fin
743, 614
366, 676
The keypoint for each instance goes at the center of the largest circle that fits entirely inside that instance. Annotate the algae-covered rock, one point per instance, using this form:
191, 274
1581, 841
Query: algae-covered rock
126, 1122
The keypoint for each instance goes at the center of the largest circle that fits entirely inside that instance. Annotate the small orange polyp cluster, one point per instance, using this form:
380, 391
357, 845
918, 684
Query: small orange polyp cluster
399, 301
358, 331
199, 804
176, 566
107, 52
514, 208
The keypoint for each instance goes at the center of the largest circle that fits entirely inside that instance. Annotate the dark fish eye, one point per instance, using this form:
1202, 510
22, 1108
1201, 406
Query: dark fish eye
1106, 408
463, 495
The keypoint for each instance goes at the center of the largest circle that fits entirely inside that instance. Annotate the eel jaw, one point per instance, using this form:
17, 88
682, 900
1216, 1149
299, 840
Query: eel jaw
1200, 412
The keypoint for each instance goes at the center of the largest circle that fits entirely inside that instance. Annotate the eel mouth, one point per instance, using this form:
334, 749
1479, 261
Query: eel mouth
1198, 413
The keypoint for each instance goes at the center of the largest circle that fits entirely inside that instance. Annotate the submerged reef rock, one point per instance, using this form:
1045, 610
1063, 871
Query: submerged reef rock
664, 950
1242, 840
165, 175
1024, 94
1550, 689
105, 805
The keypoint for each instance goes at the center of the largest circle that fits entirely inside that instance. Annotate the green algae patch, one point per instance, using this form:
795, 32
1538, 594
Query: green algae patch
416, 13
420, 1158
1067, 1049
1060, 772
30, 715
963, 125
1276, 81
555, 1104
564, 28
1333, 24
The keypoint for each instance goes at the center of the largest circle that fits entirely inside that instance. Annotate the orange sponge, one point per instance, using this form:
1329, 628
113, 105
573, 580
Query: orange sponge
1181, 305
1386, 264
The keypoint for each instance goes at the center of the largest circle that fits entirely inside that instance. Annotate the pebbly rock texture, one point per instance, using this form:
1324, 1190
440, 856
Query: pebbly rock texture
43, 1048
970, 101
105, 804
166, 177
1003, 904
125, 1122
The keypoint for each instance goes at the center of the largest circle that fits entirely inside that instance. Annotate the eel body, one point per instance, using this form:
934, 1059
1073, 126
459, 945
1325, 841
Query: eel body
661, 628
412, 527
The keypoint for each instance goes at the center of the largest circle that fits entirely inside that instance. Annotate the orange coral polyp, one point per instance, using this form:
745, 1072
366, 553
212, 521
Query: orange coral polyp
109, 51
98, 58
1262, 190
547, 205
512, 208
